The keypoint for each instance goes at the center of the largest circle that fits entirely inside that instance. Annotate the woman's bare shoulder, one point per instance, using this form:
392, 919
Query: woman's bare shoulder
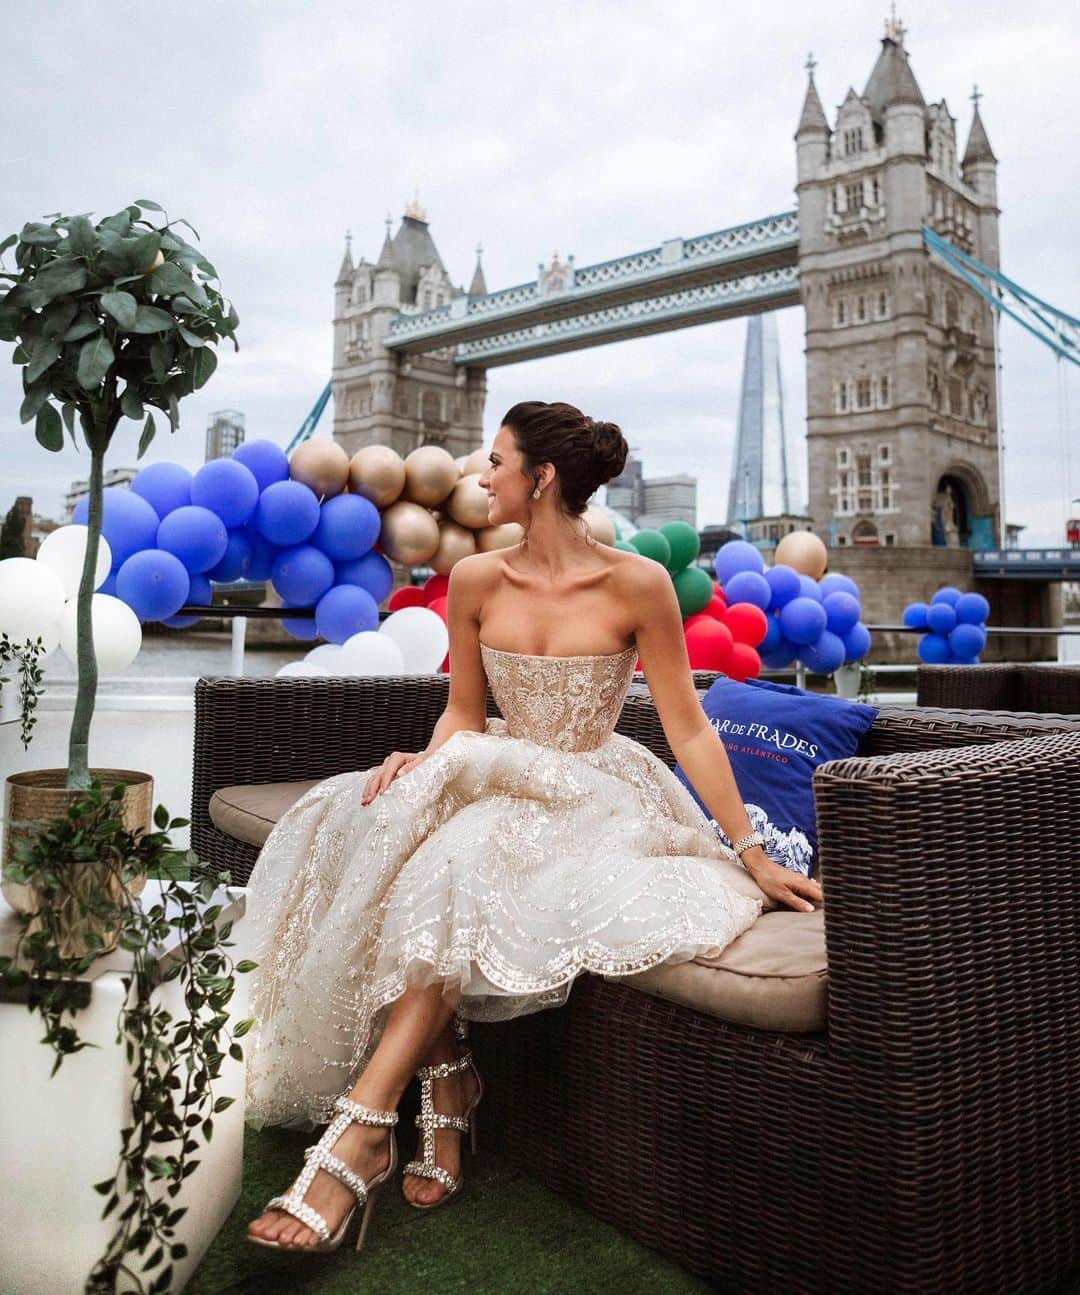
476, 572
636, 574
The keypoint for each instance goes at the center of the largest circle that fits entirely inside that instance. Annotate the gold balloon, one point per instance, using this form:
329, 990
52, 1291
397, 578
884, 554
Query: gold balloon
804, 552
499, 537
378, 473
322, 465
477, 461
430, 475
455, 543
410, 535
461, 460
601, 525
468, 504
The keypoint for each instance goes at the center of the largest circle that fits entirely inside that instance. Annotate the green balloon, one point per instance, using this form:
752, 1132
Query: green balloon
625, 545
684, 541
651, 544
693, 588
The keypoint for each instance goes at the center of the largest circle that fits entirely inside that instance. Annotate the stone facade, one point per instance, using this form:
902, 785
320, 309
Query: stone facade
901, 408
402, 401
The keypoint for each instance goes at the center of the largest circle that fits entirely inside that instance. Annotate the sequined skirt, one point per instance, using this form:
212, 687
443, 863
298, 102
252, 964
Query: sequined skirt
499, 867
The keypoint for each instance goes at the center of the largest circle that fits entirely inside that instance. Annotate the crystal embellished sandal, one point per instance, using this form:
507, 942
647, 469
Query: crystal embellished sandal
319, 1157
429, 1120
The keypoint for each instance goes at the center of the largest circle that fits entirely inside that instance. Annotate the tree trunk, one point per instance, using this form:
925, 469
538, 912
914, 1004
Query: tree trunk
78, 773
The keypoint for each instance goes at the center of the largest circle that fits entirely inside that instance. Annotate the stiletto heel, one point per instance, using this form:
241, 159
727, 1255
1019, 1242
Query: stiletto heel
429, 1120
472, 1135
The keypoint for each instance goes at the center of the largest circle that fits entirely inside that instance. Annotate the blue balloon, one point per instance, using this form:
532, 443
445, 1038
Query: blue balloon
298, 628
933, 649
199, 595
914, 616
967, 640
941, 618
128, 522
234, 565
736, 556
856, 642
263, 554
841, 613
348, 527
265, 461
808, 588
802, 620
344, 611
153, 583
196, 536
835, 583
164, 486
302, 574
748, 587
773, 638
226, 488
371, 572
287, 514
948, 595
108, 585
971, 609
825, 655
781, 656
784, 585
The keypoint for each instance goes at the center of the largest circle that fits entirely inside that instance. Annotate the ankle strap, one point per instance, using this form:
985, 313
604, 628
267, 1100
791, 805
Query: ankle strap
446, 1068
365, 1115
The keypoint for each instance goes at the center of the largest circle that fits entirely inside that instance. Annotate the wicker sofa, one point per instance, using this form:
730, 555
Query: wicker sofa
926, 1139
1044, 688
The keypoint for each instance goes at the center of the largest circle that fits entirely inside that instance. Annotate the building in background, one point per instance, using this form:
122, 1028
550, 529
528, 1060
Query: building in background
650, 501
224, 432
113, 477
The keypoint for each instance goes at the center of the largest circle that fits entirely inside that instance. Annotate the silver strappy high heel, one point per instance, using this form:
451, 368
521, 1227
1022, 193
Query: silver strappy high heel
319, 1157
429, 1120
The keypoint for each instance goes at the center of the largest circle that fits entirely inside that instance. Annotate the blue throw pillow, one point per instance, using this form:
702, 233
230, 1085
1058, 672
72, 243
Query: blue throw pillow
776, 736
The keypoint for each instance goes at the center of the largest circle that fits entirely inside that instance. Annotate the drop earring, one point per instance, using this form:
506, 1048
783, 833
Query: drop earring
536, 493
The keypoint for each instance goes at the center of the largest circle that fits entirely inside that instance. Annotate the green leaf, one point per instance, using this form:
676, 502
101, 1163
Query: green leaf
42, 357
149, 319
246, 965
223, 1104
174, 413
192, 339
147, 436
142, 249
10, 241
95, 359
130, 403
57, 319
82, 237
33, 401
169, 280
49, 431
204, 364
59, 279
147, 205
122, 306
68, 413
38, 235
82, 327
242, 1027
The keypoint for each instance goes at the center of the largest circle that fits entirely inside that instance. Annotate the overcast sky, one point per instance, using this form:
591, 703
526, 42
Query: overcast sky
593, 128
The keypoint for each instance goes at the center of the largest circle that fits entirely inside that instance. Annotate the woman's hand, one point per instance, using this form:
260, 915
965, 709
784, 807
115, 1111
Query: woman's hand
397, 762
783, 885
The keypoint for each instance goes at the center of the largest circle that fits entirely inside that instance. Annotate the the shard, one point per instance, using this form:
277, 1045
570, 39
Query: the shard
760, 484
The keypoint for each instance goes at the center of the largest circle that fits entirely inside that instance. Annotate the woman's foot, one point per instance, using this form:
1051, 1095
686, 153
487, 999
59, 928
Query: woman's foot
366, 1151
453, 1095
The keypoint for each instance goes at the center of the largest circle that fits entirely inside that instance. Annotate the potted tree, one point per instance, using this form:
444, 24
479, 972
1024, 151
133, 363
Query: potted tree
110, 320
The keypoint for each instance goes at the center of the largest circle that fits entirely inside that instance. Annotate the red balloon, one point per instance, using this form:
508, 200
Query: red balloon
708, 645
696, 619
438, 606
715, 607
744, 663
436, 586
748, 624
407, 596
445, 667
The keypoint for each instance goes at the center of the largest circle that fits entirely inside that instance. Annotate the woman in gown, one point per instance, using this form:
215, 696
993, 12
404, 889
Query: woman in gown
476, 879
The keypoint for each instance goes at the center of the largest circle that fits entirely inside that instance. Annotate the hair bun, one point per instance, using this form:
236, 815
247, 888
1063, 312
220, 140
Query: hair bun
609, 447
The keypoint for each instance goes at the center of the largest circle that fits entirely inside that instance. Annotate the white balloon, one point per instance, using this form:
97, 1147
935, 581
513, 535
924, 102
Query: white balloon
117, 633
422, 637
371, 653
327, 656
301, 670
64, 551
31, 599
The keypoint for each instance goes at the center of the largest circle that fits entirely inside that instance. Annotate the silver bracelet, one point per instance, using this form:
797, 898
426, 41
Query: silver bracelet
747, 842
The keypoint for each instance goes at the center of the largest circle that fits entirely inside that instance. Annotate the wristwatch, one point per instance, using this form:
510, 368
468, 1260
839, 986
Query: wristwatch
747, 842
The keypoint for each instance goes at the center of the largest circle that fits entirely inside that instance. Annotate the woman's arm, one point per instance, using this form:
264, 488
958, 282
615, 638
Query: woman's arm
693, 741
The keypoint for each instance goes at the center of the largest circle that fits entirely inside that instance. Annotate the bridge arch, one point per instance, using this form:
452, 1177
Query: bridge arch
961, 513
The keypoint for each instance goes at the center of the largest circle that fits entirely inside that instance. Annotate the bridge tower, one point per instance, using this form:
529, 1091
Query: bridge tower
400, 400
902, 420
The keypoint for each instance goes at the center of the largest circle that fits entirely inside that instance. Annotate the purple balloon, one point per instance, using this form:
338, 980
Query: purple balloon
824, 655
226, 488
264, 460
971, 609
967, 640
128, 522
856, 642
234, 565
835, 583
948, 595
199, 595
302, 574
153, 583
287, 514
748, 587
934, 649
802, 620
196, 536
164, 486
784, 585
371, 572
841, 613
348, 526
344, 611
914, 616
941, 618
736, 556
808, 588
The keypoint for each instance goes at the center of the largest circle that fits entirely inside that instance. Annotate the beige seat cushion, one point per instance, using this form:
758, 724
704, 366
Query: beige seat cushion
249, 813
773, 977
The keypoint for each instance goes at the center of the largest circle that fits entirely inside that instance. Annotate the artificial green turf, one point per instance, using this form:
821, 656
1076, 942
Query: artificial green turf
507, 1235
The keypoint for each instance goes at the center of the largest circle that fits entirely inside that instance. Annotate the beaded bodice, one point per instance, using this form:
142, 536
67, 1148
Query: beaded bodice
571, 703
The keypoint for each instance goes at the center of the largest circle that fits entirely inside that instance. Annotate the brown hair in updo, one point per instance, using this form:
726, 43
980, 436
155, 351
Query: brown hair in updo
583, 452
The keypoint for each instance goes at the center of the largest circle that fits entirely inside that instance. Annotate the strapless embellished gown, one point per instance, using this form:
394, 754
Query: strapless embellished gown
505, 864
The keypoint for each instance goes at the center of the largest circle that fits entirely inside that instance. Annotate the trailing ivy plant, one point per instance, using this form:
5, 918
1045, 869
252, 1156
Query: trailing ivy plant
110, 320
26, 658
174, 1061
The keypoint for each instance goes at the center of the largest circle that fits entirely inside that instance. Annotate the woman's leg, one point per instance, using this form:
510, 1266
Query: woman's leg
414, 1022
450, 1096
